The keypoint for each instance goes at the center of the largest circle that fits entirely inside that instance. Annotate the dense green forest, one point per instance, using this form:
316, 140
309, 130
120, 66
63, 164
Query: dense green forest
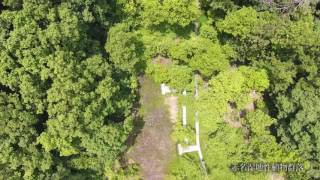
69, 84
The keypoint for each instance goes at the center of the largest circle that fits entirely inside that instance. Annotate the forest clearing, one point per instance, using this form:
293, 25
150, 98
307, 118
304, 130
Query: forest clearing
154, 147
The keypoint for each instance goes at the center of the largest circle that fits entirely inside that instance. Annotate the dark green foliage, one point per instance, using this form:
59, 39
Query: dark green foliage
124, 47
18, 141
299, 125
287, 48
65, 108
218, 9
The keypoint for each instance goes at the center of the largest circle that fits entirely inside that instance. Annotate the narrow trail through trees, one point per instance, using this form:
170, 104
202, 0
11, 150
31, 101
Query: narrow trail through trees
154, 147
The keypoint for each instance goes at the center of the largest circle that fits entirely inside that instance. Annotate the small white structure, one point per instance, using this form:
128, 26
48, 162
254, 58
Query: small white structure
192, 148
184, 92
182, 150
165, 89
198, 138
196, 95
184, 115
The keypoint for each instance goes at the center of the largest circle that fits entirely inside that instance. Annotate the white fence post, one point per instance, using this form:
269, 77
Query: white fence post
197, 147
184, 115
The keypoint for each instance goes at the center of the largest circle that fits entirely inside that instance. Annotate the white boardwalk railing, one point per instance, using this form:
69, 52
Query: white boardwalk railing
192, 148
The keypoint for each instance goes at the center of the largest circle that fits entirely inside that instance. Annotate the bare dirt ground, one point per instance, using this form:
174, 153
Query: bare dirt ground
153, 148
172, 103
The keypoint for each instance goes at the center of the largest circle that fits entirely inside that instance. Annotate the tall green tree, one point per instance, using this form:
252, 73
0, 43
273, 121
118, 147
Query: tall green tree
171, 12
298, 122
65, 106
124, 48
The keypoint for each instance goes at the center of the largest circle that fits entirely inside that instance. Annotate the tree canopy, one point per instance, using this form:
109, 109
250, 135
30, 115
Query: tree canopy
65, 106
69, 84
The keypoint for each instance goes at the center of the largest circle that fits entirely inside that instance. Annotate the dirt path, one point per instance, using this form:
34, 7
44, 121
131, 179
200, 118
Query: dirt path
153, 148
172, 103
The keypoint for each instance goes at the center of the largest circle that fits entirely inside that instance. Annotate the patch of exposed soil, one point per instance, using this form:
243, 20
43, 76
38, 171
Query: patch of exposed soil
172, 103
162, 60
232, 117
153, 148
